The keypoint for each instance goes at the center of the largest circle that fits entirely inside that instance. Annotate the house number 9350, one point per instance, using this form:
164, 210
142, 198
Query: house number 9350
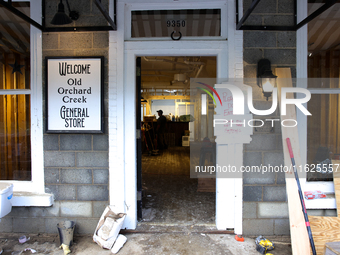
175, 23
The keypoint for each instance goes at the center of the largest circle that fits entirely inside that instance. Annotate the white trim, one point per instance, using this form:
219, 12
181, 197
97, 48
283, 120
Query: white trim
122, 140
116, 114
132, 50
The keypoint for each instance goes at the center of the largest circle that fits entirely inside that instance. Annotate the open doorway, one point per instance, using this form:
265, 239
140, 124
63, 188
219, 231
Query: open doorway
167, 193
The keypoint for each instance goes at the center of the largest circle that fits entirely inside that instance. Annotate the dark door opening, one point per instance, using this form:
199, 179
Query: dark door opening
166, 193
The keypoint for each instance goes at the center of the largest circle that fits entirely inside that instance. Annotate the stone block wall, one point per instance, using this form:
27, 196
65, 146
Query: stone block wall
265, 208
76, 165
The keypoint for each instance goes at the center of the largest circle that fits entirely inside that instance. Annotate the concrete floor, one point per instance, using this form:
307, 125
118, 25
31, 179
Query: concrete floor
167, 243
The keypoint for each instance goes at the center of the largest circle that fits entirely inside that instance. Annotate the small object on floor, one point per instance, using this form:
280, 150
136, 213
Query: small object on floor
29, 249
239, 238
120, 241
263, 245
1, 250
23, 239
66, 248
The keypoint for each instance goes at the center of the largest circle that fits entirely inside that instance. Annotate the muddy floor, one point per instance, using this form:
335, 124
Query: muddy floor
154, 243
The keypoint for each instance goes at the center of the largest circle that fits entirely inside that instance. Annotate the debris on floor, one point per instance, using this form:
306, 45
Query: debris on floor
120, 241
23, 239
106, 234
30, 249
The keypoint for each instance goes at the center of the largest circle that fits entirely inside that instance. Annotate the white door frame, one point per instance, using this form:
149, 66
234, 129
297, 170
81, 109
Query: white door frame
122, 114
133, 50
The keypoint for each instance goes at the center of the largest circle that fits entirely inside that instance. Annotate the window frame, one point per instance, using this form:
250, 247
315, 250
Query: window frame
28, 193
129, 8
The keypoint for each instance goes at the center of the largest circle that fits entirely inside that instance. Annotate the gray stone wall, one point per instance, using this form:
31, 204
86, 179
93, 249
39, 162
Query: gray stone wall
265, 208
76, 165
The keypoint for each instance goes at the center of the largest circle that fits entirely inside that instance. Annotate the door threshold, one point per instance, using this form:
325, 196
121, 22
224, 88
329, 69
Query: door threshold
189, 228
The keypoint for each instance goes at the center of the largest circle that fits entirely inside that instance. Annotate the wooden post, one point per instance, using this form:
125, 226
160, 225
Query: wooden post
298, 230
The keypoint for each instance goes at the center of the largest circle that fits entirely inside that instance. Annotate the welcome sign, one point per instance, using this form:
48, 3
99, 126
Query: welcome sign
74, 94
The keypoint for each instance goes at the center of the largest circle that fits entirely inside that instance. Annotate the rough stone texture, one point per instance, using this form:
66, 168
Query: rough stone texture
286, 39
52, 175
29, 225
252, 56
50, 41
252, 158
6, 224
92, 159
258, 226
265, 6
76, 142
281, 227
99, 207
249, 210
76, 176
280, 56
273, 159
59, 159
100, 176
51, 224
51, 142
62, 192
85, 226
66, 192
274, 193
261, 39
100, 40
258, 178
100, 142
75, 209
285, 6
272, 210
262, 141
252, 193
75, 40
278, 20
93, 192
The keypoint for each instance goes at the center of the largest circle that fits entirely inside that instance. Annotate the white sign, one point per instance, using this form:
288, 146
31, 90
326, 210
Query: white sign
74, 94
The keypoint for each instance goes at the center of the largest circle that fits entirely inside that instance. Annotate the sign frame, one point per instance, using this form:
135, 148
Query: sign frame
100, 104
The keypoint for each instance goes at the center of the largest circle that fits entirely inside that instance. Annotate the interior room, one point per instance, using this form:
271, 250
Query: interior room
169, 195
323, 135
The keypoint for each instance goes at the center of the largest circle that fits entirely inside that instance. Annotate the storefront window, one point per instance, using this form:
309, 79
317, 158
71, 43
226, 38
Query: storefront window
323, 136
15, 143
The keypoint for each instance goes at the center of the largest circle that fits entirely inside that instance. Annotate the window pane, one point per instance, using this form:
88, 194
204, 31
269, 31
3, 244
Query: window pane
323, 136
14, 48
15, 153
15, 144
161, 23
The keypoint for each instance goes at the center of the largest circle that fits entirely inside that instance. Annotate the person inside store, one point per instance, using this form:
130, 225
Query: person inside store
161, 124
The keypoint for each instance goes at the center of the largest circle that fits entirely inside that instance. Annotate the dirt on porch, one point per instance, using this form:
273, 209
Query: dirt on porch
153, 240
